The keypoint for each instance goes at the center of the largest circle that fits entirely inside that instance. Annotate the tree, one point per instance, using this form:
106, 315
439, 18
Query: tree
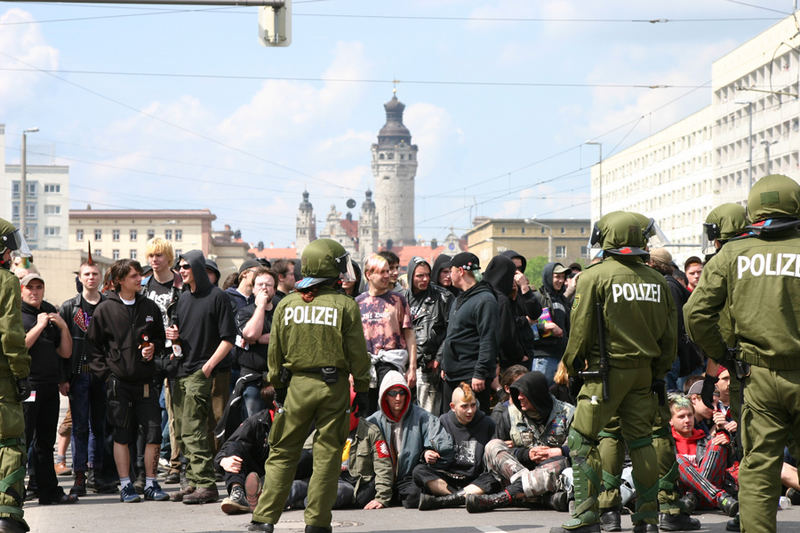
534, 269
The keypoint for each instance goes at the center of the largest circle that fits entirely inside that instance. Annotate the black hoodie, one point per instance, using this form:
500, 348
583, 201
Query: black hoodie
115, 334
528, 302
204, 318
553, 346
470, 348
428, 314
441, 262
500, 275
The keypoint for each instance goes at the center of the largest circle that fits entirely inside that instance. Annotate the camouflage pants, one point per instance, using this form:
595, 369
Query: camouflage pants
502, 463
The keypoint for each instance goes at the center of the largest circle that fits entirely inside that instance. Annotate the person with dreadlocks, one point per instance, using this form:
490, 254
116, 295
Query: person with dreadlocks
316, 341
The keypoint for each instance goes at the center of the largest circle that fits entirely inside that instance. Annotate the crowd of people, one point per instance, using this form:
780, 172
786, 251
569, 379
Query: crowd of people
468, 386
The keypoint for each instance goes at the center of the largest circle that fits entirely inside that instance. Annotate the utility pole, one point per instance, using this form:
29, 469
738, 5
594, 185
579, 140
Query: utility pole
23, 182
599, 178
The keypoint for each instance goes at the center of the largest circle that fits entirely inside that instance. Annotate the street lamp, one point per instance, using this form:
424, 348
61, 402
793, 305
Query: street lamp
549, 237
767, 144
23, 193
599, 177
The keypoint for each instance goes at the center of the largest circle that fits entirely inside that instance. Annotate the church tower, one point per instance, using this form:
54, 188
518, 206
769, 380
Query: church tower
394, 166
367, 227
306, 226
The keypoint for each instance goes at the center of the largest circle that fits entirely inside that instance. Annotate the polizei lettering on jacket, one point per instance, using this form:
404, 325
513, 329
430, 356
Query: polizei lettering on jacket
769, 265
311, 314
640, 292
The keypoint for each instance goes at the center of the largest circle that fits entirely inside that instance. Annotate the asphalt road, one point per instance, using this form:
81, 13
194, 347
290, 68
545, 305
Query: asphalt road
105, 513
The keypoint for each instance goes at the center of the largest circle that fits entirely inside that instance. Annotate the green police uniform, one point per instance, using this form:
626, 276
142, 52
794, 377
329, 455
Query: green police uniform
758, 280
310, 331
641, 340
15, 363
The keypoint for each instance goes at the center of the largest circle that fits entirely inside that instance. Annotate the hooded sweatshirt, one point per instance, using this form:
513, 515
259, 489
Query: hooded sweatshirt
115, 333
47, 367
442, 261
528, 302
469, 442
470, 348
428, 315
412, 432
204, 318
500, 275
553, 346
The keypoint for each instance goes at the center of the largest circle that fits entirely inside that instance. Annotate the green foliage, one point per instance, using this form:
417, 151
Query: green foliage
534, 269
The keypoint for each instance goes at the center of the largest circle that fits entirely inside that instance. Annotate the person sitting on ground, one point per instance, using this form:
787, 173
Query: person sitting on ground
242, 457
702, 458
500, 410
471, 431
532, 455
412, 435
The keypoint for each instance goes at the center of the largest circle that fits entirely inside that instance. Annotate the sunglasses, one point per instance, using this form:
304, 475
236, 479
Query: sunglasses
395, 392
185, 266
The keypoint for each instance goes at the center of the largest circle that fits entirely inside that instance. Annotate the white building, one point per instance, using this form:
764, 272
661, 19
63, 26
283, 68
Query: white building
47, 201
682, 172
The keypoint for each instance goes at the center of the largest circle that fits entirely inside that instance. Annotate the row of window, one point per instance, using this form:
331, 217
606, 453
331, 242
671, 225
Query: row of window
133, 234
390, 155
133, 253
543, 230
31, 186
30, 210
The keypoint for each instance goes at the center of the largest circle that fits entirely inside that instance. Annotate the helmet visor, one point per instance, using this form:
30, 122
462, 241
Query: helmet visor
15, 242
654, 236
345, 265
710, 234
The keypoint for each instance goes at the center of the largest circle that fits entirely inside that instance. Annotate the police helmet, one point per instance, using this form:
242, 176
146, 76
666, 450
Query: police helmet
724, 222
323, 260
774, 196
12, 239
621, 233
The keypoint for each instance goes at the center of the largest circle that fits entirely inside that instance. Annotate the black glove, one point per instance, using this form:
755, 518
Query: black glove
23, 389
659, 387
707, 393
280, 395
360, 404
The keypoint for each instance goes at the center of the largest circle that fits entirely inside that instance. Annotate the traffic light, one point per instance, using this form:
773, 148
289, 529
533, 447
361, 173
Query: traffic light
275, 25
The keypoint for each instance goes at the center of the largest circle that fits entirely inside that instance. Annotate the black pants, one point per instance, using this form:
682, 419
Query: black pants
41, 419
406, 492
423, 473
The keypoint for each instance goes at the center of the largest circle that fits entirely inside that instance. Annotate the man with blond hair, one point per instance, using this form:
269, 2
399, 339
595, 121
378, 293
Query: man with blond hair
388, 329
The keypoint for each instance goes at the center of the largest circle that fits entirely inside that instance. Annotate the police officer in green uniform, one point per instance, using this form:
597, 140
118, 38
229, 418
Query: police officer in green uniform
758, 280
673, 516
638, 336
15, 365
316, 341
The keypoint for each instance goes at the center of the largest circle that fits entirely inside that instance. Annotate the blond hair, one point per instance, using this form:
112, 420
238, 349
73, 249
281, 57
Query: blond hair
375, 262
157, 245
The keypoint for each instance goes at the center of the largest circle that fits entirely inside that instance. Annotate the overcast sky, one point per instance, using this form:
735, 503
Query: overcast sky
176, 107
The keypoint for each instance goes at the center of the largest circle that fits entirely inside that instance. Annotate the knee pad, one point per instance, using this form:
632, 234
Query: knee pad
579, 445
668, 481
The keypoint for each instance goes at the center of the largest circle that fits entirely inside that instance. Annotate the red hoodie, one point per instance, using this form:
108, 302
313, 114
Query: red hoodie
688, 445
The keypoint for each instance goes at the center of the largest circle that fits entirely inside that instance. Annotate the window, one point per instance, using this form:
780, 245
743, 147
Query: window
15, 211
133, 253
178, 252
563, 230
51, 231
502, 229
168, 234
583, 230
523, 230
134, 234
115, 235
561, 251
52, 187
30, 210
98, 251
52, 210
30, 232
150, 234
178, 234
78, 234
584, 251
98, 235
115, 255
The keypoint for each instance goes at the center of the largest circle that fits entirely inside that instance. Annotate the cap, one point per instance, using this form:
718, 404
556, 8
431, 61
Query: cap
466, 260
696, 388
249, 263
30, 277
560, 269
661, 255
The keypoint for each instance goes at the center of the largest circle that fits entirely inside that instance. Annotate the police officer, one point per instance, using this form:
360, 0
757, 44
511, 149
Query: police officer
631, 302
316, 341
15, 365
745, 272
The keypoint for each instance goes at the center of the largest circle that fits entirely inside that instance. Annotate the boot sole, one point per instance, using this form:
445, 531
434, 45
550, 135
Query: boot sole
231, 507
252, 489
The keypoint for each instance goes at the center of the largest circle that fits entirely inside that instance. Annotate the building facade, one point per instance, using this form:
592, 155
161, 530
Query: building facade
46, 202
750, 129
564, 240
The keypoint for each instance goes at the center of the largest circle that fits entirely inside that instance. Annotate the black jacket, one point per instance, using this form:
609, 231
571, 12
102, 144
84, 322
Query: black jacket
689, 357
500, 275
255, 356
442, 261
72, 313
470, 348
250, 441
429, 316
204, 318
114, 338
469, 442
559, 306
47, 367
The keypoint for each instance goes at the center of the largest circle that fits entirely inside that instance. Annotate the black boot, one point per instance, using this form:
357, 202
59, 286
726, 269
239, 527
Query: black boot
90, 479
79, 487
688, 502
429, 501
733, 524
677, 522
610, 520
481, 503
642, 527
558, 501
9, 525
260, 526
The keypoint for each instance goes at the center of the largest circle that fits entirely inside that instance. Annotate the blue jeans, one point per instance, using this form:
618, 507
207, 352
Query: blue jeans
87, 401
547, 366
252, 400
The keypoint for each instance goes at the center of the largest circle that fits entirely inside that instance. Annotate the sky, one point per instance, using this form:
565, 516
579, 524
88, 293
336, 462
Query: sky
180, 107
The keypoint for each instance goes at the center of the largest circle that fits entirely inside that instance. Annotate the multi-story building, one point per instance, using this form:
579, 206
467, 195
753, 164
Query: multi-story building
46, 202
563, 240
750, 129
